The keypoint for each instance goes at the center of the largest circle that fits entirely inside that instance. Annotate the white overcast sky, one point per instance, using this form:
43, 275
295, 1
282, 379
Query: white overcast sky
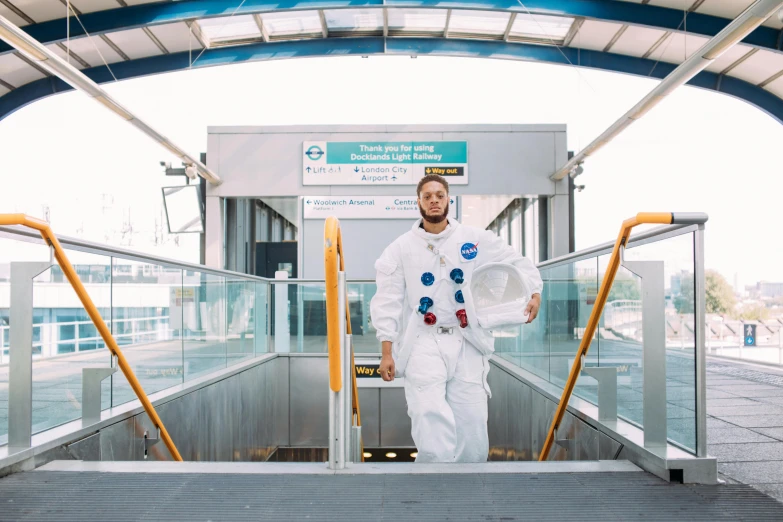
696, 151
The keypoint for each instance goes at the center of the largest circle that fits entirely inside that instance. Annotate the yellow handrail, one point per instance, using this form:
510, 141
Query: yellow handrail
644, 218
92, 311
334, 262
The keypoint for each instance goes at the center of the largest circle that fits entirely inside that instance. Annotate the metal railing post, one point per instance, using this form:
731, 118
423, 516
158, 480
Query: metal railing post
282, 315
701, 358
20, 354
337, 411
653, 350
347, 397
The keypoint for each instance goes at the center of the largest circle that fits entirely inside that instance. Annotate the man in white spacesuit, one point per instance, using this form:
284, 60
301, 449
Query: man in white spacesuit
442, 353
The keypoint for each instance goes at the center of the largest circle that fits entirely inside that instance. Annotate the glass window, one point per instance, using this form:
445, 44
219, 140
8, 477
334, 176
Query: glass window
540, 27
350, 20
478, 22
227, 28
292, 24
417, 20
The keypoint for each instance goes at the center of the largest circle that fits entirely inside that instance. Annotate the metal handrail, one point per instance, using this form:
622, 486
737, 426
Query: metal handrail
48, 236
644, 218
606, 248
131, 255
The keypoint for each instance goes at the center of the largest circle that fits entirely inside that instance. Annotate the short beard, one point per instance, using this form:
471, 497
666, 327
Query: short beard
434, 219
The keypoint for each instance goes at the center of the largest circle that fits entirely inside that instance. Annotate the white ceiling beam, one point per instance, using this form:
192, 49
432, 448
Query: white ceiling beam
324, 26
261, 27
738, 29
509, 26
48, 60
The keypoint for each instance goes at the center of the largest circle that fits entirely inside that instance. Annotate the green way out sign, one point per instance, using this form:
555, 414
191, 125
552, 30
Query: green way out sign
383, 162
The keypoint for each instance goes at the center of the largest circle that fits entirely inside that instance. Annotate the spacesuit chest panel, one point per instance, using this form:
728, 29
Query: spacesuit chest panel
437, 271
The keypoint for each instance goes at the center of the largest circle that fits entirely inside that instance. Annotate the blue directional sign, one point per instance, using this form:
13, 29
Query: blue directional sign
749, 334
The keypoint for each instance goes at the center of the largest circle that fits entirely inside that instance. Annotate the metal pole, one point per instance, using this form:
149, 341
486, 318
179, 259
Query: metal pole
348, 396
337, 411
701, 358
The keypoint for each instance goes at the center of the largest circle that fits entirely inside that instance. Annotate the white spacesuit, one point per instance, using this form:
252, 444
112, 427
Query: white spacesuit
442, 353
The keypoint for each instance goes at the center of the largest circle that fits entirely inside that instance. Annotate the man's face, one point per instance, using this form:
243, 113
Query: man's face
433, 202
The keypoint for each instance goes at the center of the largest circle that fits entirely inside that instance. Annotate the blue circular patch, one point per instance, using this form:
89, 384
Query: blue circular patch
459, 297
469, 251
427, 279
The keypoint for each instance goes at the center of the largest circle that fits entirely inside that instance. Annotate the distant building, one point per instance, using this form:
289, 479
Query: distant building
770, 290
765, 290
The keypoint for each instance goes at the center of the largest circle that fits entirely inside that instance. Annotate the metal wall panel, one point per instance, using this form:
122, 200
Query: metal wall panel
586, 438
309, 401
117, 441
278, 387
157, 451
88, 448
498, 415
252, 428
608, 448
520, 422
370, 404
395, 422
567, 430
183, 423
540, 408
220, 408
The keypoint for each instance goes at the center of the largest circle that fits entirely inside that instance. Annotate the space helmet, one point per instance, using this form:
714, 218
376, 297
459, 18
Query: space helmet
497, 296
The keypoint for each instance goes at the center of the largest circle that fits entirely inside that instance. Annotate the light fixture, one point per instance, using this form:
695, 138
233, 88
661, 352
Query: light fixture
114, 107
391, 455
414, 454
577, 171
20, 43
172, 148
645, 107
733, 37
367, 455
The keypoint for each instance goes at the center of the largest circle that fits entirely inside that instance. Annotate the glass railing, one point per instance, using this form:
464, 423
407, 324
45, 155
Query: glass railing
176, 322
305, 315
547, 347
173, 321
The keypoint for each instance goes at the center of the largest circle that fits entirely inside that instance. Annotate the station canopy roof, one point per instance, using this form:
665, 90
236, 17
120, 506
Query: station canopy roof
123, 39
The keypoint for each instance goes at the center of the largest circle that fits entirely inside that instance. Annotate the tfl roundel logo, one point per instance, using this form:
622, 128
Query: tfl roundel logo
469, 251
315, 153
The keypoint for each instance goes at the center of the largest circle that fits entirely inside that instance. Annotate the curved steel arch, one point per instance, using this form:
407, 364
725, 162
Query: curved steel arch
610, 10
756, 96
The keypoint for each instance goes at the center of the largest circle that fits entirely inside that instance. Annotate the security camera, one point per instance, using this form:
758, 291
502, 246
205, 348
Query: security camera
165, 165
191, 171
579, 188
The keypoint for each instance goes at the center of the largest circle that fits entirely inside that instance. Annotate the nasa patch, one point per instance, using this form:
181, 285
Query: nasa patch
469, 251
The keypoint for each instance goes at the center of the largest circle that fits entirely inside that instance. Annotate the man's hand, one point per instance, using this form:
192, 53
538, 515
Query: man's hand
387, 368
532, 307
